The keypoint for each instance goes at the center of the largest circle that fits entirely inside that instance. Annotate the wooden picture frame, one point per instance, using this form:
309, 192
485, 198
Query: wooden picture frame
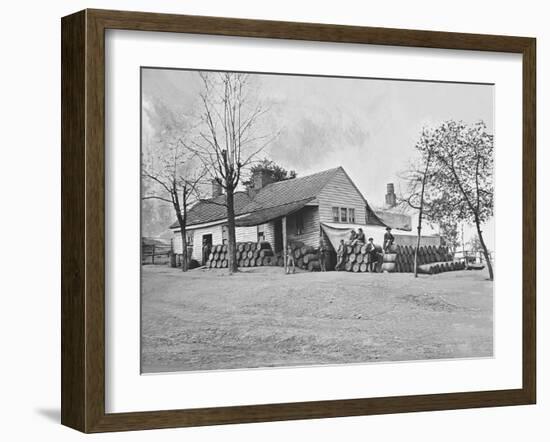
83, 220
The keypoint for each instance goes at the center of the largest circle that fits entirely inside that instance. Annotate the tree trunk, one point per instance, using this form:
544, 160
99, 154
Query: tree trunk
184, 260
485, 251
420, 212
231, 241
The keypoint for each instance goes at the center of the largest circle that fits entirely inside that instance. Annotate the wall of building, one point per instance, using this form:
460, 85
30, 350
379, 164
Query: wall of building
311, 231
242, 234
340, 192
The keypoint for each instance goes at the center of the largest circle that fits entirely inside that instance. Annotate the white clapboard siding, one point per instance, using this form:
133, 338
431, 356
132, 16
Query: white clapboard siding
215, 231
269, 233
311, 232
340, 192
246, 234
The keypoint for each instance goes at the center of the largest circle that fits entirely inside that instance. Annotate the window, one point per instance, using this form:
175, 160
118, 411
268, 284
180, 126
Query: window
336, 214
261, 232
299, 223
343, 215
189, 237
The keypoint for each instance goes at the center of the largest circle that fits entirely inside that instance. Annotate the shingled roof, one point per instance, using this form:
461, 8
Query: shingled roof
213, 209
271, 201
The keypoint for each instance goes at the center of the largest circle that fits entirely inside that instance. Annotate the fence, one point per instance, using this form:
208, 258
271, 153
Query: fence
155, 254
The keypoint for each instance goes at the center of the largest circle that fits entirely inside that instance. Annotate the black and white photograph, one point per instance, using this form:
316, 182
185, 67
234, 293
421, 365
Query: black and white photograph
300, 220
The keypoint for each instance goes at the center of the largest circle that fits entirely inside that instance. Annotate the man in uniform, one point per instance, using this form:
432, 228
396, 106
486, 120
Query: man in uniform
388, 239
323, 255
290, 259
372, 254
341, 254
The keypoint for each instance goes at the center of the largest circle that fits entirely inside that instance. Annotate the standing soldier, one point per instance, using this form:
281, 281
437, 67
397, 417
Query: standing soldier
341, 254
205, 251
289, 259
323, 255
372, 256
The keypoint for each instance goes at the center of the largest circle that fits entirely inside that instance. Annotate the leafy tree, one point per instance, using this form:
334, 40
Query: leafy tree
460, 183
276, 172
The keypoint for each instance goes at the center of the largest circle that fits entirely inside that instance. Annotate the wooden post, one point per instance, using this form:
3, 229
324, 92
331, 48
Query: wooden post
284, 242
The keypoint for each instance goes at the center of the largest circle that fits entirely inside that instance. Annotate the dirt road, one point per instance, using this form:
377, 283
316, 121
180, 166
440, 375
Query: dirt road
207, 319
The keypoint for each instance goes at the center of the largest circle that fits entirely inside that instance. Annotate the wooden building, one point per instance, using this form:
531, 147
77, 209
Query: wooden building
265, 208
300, 209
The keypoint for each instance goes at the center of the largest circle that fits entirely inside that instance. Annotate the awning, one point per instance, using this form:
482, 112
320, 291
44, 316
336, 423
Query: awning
263, 216
338, 231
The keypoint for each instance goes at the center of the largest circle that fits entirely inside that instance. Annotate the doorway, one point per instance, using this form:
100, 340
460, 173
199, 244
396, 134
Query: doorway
206, 247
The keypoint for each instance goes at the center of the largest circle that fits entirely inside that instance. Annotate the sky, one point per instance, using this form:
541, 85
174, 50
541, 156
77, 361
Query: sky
367, 126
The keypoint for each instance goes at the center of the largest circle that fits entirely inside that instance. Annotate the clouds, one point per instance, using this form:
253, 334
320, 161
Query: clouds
367, 126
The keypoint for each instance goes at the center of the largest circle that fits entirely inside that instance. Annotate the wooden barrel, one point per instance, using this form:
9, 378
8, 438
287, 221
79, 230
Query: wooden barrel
348, 266
252, 262
310, 257
224, 248
313, 265
363, 249
355, 268
392, 248
240, 247
359, 258
224, 263
297, 253
349, 250
211, 257
266, 252
263, 245
267, 260
387, 267
357, 249
363, 267
390, 257
300, 262
259, 262
351, 258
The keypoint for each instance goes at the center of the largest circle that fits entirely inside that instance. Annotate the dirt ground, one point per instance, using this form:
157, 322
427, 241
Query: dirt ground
207, 319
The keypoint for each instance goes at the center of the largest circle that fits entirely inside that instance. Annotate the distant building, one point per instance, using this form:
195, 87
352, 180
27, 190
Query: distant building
392, 216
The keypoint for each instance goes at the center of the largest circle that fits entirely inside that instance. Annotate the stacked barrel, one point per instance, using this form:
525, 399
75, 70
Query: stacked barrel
357, 258
400, 259
431, 260
305, 257
252, 254
248, 254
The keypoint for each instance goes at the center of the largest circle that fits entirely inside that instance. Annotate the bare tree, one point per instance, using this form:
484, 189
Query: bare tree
174, 172
229, 138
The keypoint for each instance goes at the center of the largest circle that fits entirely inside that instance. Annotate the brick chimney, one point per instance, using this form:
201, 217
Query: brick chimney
261, 178
391, 199
216, 188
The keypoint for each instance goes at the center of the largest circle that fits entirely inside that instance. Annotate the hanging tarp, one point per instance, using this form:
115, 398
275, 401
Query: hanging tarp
338, 231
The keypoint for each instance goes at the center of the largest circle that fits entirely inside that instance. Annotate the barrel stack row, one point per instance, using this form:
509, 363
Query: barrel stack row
305, 257
357, 258
431, 260
256, 254
249, 254
400, 259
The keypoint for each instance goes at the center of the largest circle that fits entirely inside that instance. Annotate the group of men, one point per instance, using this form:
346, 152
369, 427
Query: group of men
374, 252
